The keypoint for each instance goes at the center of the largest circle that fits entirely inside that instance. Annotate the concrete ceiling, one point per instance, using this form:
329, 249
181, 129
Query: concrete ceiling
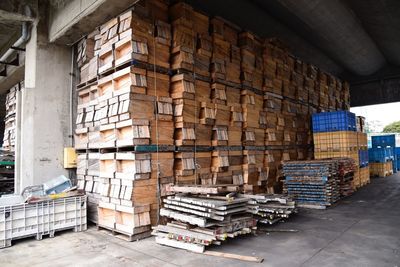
357, 40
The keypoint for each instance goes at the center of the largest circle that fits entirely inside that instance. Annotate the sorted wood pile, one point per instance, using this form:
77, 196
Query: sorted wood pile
208, 102
125, 121
204, 215
312, 184
201, 219
9, 119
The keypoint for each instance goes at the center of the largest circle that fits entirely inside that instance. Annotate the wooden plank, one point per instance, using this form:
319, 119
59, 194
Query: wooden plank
233, 256
178, 244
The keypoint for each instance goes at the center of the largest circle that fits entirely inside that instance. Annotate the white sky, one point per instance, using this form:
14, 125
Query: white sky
382, 114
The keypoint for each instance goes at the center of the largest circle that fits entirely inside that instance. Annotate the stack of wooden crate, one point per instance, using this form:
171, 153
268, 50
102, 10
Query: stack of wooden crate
166, 87
335, 136
9, 119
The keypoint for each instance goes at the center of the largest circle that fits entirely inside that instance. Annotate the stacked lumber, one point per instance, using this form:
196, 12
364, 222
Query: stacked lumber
125, 104
270, 208
88, 180
198, 219
129, 190
85, 51
162, 80
9, 119
312, 184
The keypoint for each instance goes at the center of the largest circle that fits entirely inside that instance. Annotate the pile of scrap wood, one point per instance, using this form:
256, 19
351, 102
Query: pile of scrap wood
201, 216
202, 219
312, 183
269, 209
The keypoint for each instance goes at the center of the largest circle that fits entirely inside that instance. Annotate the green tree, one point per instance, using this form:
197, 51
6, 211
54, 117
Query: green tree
394, 127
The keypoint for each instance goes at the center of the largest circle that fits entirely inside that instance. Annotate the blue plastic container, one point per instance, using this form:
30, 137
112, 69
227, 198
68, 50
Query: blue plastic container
334, 121
384, 141
363, 158
380, 154
397, 152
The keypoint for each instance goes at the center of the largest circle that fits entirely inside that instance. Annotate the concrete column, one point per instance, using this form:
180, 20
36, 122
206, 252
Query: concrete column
44, 128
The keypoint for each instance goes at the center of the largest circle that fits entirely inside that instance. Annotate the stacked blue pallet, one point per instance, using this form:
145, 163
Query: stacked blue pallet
363, 158
380, 154
387, 142
334, 121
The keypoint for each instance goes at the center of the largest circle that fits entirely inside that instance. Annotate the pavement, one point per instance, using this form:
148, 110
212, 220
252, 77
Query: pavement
361, 230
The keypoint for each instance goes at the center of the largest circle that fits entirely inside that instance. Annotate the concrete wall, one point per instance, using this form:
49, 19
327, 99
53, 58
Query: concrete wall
44, 110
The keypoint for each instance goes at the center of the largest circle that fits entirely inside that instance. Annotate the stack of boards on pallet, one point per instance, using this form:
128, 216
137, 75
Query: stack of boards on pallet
167, 83
346, 172
341, 134
125, 124
269, 209
203, 216
9, 119
312, 184
382, 155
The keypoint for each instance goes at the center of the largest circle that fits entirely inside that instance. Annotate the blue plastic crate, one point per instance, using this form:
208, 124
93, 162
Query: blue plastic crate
363, 158
384, 140
334, 121
397, 152
380, 154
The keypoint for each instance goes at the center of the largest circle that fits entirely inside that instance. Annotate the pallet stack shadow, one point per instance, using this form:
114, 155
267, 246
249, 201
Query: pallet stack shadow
335, 135
318, 183
382, 155
9, 119
167, 87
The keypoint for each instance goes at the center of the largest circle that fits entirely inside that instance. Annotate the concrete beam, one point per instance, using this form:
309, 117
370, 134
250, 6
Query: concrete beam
253, 16
67, 24
13, 16
15, 74
375, 92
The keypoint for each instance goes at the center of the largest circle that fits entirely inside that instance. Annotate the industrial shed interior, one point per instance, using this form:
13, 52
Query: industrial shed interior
184, 133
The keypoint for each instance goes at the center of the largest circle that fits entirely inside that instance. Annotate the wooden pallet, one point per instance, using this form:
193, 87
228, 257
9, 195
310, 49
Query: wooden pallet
122, 235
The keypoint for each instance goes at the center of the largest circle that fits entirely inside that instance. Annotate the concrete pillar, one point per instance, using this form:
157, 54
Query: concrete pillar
44, 110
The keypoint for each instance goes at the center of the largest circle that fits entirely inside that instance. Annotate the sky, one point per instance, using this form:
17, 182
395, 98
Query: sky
379, 115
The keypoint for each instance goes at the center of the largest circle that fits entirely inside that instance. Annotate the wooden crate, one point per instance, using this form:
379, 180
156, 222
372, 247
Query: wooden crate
335, 141
380, 169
